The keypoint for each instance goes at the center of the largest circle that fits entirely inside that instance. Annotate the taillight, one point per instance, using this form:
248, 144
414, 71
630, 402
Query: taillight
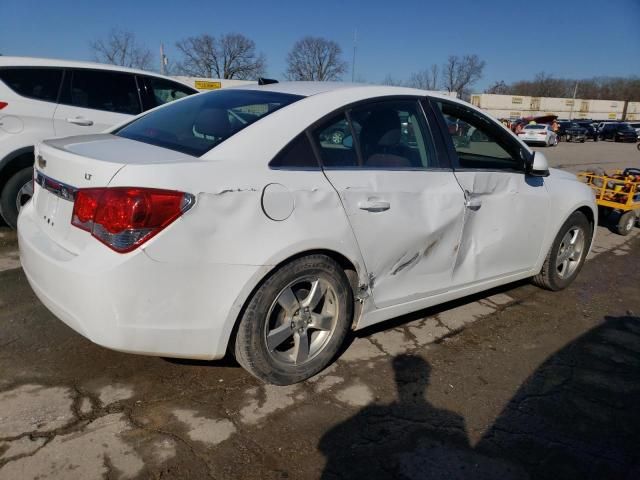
3, 104
123, 218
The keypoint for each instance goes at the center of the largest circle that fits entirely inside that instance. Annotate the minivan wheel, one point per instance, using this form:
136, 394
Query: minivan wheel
296, 321
566, 255
16, 192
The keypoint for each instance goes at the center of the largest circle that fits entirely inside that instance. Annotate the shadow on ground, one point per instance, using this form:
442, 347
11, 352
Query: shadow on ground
576, 417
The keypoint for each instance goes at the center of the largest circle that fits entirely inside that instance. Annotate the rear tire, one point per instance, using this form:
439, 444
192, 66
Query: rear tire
277, 340
566, 255
16, 192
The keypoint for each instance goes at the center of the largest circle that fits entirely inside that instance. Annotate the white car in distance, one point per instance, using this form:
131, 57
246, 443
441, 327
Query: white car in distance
539, 133
229, 221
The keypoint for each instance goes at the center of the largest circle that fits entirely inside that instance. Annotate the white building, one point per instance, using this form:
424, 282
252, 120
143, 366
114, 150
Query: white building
518, 106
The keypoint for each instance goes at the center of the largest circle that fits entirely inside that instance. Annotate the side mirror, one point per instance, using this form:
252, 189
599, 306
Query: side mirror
539, 167
347, 141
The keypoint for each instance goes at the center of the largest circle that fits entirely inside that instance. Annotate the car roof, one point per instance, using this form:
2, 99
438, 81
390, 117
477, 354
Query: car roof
52, 62
307, 89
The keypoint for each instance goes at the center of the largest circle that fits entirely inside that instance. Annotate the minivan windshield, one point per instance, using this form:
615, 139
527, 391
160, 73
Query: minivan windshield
198, 123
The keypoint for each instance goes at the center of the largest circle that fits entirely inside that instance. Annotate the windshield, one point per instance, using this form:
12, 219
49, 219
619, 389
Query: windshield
197, 124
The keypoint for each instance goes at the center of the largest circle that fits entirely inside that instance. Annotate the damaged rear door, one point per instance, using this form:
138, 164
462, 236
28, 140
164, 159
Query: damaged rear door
406, 209
506, 211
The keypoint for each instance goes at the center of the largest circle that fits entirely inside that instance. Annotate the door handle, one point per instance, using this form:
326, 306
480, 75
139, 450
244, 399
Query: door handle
374, 205
84, 122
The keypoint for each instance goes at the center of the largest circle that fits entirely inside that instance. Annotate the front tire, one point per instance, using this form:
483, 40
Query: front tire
16, 192
296, 321
566, 255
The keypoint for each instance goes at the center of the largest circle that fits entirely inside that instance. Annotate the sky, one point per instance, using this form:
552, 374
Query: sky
516, 39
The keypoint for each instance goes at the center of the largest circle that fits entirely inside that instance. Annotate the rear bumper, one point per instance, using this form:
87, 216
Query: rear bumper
131, 302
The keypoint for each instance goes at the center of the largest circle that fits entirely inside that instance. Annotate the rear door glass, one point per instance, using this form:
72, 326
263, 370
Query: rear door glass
38, 83
102, 90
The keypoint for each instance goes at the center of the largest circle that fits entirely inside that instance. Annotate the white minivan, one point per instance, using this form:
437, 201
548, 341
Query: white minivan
44, 98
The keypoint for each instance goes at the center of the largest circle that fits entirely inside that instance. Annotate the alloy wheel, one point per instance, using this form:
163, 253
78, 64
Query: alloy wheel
301, 321
24, 195
570, 252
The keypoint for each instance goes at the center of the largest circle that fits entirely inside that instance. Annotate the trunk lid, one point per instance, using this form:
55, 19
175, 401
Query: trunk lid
65, 165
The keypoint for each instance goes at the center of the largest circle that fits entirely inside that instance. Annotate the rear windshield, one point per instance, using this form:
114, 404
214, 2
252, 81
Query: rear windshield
197, 124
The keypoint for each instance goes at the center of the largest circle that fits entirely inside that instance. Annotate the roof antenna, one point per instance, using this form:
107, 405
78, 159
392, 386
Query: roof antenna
266, 81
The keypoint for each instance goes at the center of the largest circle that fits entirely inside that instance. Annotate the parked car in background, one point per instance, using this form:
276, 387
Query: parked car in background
44, 98
625, 133
636, 127
539, 134
178, 235
575, 133
618, 132
591, 130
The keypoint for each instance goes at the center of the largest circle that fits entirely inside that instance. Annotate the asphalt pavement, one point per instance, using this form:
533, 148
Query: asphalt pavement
513, 383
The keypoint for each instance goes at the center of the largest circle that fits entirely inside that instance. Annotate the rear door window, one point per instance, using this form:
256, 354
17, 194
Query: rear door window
102, 90
38, 83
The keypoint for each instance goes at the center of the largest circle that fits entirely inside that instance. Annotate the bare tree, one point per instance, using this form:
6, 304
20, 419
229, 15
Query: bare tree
392, 81
121, 48
315, 58
460, 73
425, 79
232, 56
498, 88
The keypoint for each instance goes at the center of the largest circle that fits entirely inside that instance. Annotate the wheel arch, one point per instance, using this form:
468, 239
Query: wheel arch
14, 162
350, 267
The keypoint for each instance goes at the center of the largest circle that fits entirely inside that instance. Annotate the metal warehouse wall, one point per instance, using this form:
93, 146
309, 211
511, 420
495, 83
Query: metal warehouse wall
516, 106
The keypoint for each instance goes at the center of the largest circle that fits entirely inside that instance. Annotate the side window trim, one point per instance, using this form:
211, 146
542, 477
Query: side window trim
286, 148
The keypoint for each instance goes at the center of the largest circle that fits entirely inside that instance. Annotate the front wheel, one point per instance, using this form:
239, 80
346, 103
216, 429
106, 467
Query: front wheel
16, 192
566, 255
638, 146
296, 321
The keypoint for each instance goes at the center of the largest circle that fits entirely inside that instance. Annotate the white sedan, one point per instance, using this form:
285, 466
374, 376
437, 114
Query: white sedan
539, 133
230, 221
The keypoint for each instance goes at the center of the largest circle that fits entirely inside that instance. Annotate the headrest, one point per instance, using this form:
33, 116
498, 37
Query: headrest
213, 122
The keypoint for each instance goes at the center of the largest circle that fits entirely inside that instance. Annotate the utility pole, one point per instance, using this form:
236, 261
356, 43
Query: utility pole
353, 62
163, 60
575, 91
